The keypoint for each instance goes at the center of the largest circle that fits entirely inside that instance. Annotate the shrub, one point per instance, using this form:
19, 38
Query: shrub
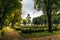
31, 30
17, 28
26, 31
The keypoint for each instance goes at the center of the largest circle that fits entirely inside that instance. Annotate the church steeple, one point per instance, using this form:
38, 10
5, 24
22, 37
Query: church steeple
28, 16
28, 19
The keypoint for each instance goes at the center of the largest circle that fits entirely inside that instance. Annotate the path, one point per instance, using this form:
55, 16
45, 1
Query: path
52, 37
11, 34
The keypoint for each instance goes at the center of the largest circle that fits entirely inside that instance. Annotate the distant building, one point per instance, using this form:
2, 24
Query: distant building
26, 21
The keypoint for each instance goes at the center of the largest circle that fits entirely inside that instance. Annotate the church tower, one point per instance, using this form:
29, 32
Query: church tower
28, 19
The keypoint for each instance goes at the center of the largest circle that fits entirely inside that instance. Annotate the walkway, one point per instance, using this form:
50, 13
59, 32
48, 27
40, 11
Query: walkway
11, 34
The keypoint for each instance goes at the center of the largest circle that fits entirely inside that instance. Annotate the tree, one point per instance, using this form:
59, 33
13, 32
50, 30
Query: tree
37, 20
16, 17
47, 6
44, 18
6, 7
40, 20
55, 18
24, 22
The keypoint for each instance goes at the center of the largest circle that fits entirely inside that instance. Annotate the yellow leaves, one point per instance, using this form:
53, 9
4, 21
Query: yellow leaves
12, 15
6, 20
16, 22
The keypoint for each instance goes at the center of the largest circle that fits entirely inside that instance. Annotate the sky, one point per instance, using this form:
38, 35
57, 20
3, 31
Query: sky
28, 7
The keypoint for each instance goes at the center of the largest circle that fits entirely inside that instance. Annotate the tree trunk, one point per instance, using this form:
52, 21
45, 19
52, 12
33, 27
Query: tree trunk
49, 10
13, 21
1, 23
0, 20
12, 24
2, 16
1, 26
49, 24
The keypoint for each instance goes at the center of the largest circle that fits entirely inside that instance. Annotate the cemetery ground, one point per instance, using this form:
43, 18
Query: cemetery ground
18, 34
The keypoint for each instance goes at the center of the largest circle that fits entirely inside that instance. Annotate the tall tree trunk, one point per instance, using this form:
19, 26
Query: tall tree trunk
3, 14
49, 24
49, 10
12, 24
0, 21
1, 25
13, 21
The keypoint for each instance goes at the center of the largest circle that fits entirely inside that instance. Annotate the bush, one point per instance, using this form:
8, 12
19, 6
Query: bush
26, 31
31, 30
55, 29
17, 28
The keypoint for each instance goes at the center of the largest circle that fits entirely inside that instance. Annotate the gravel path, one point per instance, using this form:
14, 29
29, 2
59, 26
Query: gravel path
11, 34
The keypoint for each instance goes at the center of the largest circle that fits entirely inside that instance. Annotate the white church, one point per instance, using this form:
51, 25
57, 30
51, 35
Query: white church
27, 21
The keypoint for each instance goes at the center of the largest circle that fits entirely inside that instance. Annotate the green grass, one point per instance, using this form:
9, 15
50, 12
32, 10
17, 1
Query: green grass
38, 34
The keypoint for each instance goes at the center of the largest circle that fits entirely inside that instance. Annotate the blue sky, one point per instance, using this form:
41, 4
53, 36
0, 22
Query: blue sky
28, 7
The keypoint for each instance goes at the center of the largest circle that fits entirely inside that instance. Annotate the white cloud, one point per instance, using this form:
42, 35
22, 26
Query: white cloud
28, 7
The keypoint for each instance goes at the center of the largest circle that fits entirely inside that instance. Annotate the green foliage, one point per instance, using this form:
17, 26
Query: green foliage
33, 30
6, 9
48, 6
29, 21
40, 20
38, 4
24, 22
56, 19
10, 5
17, 28
37, 20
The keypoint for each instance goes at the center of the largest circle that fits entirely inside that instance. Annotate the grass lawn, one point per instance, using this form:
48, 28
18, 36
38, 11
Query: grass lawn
38, 34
